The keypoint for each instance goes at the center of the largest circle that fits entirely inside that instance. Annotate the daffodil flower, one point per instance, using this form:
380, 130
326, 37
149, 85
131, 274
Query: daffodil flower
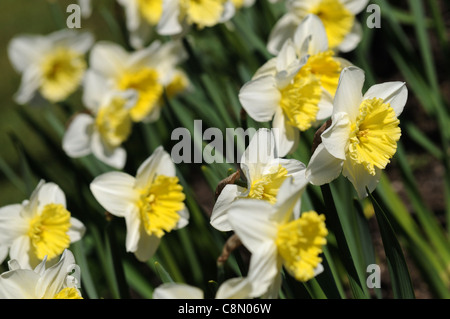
103, 130
293, 99
343, 30
264, 173
149, 72
151, 203
363, 134
51, 66
141, 17
179, 15
234, 288
38, 228
277, 236
56, 282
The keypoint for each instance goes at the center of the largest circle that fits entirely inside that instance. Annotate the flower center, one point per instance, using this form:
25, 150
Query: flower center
151, 10
68, 293
48, 231
374, 135
300, 242
336, 18
325, 68
62, 71
145, 82
299, 101
203, 13
159, 206
267, 186
114, 122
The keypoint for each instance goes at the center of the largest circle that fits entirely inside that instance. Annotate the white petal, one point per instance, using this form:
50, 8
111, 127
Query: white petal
335, 138
95, 88
29, 85
361, 178
159, 163
219, 216
235, 288
168, 23
287, 56
11, 224
134, 229
50, 193
325, 106
147, 246
288, 197
295, 168
76, 141
177, 291
18, 284
348, 95
311, 29
76, 231
131, 13
184, 218
115, 192
53, 279
355, 6
4, 251
250, 219
114, 157
20, 250
260, 152
80, 42
107, 59
228, 11
352, 39
394, 93
26, 50
323, 167
286, 136
260, 98
284, 29
274, 289
263, 269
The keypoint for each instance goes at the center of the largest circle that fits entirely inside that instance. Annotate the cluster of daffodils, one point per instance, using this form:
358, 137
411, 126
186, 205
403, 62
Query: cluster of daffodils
306, 85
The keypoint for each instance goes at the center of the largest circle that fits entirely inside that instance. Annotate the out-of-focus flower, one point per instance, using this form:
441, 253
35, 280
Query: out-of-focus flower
277, 236
51, 65
150, 72
151, 203
38, 228
179, 15
86, 8
103, 130
344, 32
294, 99
264, 173
234, 288
141, 18
56, 282
363, 134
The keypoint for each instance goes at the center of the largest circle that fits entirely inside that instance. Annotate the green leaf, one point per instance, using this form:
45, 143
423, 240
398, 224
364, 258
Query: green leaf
398, 269
162, 273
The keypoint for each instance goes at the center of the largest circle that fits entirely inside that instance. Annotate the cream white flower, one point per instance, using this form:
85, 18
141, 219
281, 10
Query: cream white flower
38, 228
343, 30
151, 203
286, 91
103, 130
51, 65
363, 134
56, 282
234, 288
86, 8
149, 72
264, 173
179, 15
278, 235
